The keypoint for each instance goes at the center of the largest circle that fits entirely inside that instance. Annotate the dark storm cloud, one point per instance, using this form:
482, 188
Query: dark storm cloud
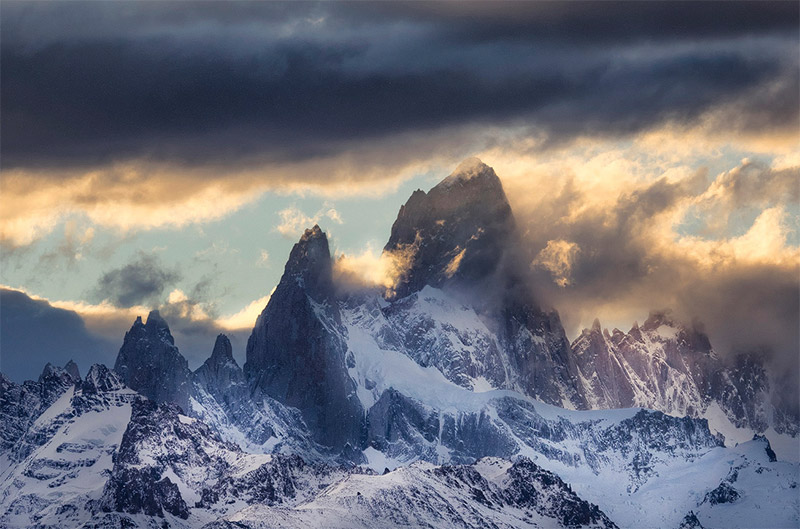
592, 22
32, 333
86, 84
140, 282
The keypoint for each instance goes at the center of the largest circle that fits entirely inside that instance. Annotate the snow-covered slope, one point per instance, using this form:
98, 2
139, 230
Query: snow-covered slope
490, 493
50, 481
461, 238
115, 459
257, 423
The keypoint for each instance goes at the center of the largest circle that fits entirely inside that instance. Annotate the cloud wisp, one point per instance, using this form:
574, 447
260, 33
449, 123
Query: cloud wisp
140, 282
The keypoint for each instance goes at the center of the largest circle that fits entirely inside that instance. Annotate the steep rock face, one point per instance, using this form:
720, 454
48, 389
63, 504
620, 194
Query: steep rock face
100, 380
437, 330
458, 232
530, 486
220, 383
217, 392
295, 353
149, 362
157, 442
221, 397
55, 380
604, 375
175, 467
539, 355
220, 374
281, 480
22, 404
461, 238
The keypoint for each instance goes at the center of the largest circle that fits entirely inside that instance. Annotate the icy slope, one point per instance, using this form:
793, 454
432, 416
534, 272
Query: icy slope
109, 458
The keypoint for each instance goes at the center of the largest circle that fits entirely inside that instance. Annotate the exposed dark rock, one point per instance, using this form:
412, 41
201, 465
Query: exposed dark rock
457, 232
296, 354
533, 487
134, 491
724, 493
690, 521
149, 362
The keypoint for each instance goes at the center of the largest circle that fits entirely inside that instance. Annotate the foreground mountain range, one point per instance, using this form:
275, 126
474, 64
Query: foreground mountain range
449, 399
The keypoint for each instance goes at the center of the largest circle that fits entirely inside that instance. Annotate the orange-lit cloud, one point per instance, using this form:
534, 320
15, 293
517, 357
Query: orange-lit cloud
372, 268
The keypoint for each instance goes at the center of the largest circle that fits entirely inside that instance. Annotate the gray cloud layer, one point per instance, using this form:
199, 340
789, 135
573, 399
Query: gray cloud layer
85, 84
140, 282
32, 332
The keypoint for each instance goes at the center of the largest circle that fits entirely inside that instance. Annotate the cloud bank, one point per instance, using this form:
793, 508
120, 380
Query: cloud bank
166, 114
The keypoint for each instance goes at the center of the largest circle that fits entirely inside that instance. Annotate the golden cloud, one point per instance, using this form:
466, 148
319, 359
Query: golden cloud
372, 269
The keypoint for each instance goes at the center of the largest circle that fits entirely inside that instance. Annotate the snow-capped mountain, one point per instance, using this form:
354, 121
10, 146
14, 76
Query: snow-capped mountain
449, 400
461, 238
671, 366
108, 457
64, 458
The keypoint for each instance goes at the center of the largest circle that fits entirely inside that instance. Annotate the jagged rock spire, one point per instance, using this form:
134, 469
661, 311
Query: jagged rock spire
101, 379
295, 355
220, 371
222, 349
149, 362
310, 263
461, 230
72, 369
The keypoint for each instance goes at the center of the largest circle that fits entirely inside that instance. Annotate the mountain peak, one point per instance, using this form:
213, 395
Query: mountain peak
101, 379
155, 326
220, 375
469, 170
222, 349
310, 262
67, 373
315, 232
154, 320
657, 318
72, 369
149, 362
49, 370
459, 230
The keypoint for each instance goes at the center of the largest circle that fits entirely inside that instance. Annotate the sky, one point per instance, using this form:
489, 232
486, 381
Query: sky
169, 154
